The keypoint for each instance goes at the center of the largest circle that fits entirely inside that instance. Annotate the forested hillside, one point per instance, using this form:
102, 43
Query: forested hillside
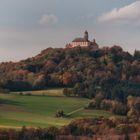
111, 72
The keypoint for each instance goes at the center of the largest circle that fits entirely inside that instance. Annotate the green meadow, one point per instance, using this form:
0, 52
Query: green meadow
38, 110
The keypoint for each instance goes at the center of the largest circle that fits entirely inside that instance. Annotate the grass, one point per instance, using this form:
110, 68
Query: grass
39, 111
48, 92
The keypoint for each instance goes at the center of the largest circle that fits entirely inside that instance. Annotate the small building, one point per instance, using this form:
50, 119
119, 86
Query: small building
83, 42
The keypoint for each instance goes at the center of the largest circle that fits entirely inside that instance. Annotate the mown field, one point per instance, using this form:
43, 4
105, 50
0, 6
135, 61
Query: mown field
49, 92
38, 110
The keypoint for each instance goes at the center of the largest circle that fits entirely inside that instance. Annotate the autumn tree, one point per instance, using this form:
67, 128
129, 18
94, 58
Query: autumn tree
67, 79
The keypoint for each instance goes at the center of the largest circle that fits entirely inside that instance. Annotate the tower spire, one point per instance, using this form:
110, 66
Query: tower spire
86, 35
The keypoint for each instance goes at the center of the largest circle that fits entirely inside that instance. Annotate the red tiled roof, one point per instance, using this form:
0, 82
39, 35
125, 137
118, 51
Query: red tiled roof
80, 40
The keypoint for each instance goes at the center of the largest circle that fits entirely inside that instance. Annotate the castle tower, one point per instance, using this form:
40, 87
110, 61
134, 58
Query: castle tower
86, 36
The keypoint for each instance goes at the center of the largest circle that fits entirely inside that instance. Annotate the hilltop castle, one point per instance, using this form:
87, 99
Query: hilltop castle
83, 42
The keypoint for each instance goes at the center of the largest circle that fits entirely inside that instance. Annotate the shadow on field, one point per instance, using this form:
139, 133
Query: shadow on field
9, 102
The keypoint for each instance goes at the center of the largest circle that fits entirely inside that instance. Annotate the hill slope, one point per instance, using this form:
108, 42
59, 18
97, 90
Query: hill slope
112, 71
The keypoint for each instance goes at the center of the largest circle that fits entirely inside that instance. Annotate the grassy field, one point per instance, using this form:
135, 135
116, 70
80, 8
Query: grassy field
48, 92
39, 111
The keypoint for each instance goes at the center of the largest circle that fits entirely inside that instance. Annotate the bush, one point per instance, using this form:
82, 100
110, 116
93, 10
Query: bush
6, 91
91, 105
68, 92
118, 108
59, 113
21, 93
29, 94
106, 105
52, 133
126, 129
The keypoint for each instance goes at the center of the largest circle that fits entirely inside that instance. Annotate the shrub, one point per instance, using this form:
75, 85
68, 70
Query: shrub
28, 94
91, 105
59, 113
126, 128
52, 133
118, 108
21, 93
68, 92
106, 105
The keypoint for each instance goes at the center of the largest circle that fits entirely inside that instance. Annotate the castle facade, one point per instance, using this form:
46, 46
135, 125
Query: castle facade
83, 42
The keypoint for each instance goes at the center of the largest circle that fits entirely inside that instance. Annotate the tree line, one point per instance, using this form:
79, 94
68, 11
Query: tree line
89, 128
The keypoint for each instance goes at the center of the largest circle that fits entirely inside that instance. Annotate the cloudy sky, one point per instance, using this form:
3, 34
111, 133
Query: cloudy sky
28, 26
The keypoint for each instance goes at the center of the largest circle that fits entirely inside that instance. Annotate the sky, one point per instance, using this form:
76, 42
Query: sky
29, 26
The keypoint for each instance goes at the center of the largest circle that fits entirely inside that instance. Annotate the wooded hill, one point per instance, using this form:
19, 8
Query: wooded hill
110, 71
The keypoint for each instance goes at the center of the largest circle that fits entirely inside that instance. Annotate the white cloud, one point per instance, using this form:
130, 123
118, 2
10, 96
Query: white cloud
48, 20
129, 13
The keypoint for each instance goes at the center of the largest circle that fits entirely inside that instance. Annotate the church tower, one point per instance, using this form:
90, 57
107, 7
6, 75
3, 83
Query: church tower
86, 36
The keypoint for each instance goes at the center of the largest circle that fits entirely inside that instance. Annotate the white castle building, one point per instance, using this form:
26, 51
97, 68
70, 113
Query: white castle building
83, 42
